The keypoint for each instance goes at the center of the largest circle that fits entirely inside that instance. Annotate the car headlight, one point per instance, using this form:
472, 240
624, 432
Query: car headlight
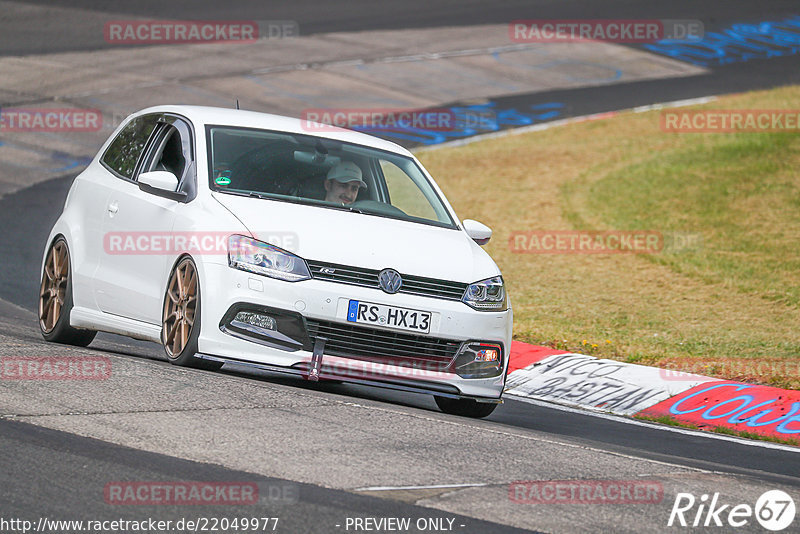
486, 295
256, 257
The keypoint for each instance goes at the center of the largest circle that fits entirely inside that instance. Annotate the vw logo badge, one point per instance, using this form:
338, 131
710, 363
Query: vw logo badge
390, 280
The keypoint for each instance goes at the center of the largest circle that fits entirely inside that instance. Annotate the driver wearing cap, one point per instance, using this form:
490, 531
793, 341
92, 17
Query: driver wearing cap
343, 182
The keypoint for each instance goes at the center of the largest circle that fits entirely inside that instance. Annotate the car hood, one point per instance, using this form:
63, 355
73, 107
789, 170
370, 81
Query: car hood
356, 239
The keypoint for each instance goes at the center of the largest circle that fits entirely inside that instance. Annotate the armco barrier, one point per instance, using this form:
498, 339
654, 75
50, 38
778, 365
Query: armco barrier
627, 389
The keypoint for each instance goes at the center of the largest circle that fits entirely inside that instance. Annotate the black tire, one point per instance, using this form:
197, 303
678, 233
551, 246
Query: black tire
464, 407
55, 299
182, 352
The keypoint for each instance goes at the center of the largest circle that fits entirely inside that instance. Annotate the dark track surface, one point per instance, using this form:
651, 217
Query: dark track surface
735, 78
76, 470
84, 31
739, 77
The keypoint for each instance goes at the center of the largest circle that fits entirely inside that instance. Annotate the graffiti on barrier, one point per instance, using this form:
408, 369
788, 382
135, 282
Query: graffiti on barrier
747, 407
736, 44
472, 120
585, 381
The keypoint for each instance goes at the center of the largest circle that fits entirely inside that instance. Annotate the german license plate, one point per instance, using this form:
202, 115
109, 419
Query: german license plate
389, 316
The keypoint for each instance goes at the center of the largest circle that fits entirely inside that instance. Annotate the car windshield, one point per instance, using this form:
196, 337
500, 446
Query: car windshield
295, 168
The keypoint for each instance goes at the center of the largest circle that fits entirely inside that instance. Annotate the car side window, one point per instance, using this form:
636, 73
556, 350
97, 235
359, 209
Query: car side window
123, 153
169, 154
404, 193
171, 150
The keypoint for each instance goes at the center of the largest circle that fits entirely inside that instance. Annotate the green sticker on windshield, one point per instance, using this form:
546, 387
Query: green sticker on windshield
223, 180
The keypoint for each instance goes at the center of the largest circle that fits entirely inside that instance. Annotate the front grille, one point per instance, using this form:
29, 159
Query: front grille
383, 346
412, 285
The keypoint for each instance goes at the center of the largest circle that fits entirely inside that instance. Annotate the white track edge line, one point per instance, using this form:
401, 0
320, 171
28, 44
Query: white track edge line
432, 486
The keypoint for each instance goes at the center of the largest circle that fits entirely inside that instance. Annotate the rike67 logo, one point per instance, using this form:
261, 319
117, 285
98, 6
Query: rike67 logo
774, 510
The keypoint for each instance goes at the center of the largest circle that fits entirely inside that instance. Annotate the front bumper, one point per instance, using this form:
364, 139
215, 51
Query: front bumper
224, 288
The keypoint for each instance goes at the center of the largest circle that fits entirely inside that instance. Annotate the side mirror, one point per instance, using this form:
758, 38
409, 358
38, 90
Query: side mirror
479, 232
162, 184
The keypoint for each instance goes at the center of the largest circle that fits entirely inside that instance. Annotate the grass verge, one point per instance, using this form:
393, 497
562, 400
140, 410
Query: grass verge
727, 308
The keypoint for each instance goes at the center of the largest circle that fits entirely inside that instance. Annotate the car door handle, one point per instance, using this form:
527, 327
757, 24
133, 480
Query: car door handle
113, 208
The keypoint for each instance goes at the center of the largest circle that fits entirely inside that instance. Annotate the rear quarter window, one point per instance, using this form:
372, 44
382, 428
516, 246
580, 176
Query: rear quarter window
124, 151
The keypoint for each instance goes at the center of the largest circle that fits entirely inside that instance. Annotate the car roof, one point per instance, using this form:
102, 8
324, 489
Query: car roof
204, 115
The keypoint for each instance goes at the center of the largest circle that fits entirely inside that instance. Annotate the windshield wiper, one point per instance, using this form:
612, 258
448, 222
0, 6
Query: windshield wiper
260, 196
345, 207
304, 202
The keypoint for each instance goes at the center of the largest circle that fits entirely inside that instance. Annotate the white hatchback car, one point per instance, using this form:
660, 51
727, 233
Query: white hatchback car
217, 233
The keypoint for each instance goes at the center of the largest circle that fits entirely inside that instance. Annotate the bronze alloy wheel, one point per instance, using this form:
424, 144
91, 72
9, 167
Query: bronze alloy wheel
180, 308
55, 299
53, 292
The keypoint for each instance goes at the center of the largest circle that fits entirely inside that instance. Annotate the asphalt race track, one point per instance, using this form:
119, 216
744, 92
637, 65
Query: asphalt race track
323, 454
71, 30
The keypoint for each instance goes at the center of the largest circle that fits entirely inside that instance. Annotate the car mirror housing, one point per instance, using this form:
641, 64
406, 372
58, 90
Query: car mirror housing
479, 232
162, 184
